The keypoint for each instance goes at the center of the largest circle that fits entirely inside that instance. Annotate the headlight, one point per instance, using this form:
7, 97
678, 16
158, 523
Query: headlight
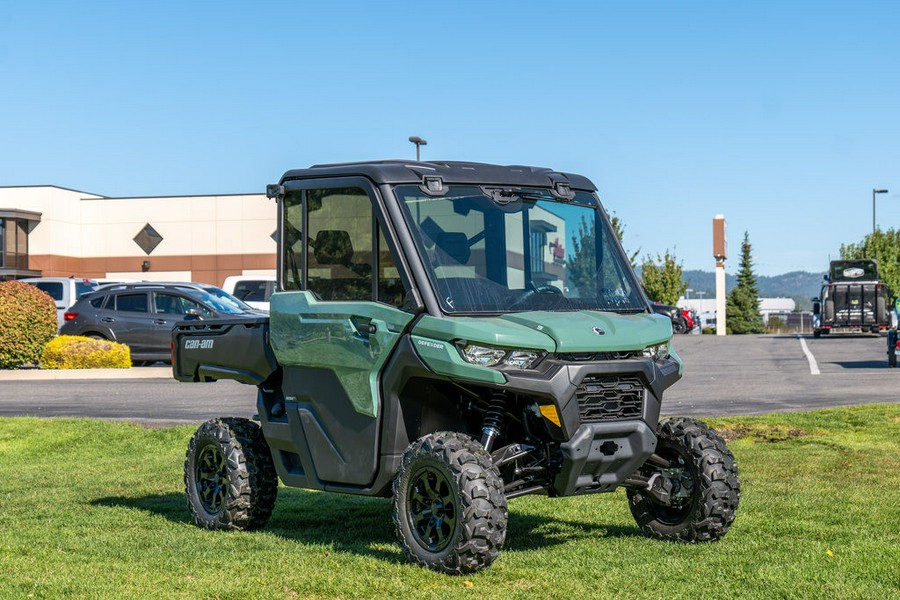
488, 356
483, 356
659, 352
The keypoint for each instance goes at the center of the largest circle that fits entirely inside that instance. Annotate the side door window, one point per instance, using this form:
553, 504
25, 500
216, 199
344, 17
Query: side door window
335, 332
177, 306
132, 303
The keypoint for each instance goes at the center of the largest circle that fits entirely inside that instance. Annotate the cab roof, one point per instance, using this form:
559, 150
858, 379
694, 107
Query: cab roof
400, 171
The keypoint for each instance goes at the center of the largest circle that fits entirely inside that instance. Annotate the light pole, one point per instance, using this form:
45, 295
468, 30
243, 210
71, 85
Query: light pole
418, 142
874, 191
687, 293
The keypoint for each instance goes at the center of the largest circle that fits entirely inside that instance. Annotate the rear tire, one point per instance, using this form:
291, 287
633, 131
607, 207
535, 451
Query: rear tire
679, 326
707, 490
229, 477
450, 510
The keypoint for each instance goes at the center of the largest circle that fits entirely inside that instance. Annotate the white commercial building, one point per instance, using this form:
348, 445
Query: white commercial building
56, 232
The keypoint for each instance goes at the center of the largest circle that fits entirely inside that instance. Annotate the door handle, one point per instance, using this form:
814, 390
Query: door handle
160, 321
108, 320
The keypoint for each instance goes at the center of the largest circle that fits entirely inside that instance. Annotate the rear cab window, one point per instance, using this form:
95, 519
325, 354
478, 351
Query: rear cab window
53, 288
251, 291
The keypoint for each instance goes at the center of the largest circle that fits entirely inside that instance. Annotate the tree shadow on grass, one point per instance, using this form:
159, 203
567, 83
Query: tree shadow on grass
362, 525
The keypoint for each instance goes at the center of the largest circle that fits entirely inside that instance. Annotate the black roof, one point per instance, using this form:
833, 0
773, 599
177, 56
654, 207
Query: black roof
402, 171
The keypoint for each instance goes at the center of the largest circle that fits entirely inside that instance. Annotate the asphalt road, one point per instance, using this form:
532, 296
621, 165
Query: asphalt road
722, 376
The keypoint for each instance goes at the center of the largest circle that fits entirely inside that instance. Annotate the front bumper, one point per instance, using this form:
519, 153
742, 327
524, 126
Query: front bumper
608, 415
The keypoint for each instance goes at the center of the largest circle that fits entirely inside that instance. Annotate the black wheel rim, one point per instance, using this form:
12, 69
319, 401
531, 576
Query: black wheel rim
432, 509
681, 474
211, 476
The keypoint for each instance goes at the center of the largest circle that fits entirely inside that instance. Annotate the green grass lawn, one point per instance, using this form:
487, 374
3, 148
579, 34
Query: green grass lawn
96, 509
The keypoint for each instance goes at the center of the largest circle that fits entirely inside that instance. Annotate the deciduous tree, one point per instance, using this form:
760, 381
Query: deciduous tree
662, 279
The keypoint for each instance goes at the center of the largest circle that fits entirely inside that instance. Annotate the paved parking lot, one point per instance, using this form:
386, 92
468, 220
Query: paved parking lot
722, 376
759, 374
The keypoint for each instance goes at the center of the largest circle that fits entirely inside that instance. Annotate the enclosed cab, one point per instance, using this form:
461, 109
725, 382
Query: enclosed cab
453, 335
853, 300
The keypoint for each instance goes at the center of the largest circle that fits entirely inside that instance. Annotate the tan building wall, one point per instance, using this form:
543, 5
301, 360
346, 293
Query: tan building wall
204, 238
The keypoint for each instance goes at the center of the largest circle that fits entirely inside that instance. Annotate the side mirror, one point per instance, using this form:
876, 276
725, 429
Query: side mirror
192, 315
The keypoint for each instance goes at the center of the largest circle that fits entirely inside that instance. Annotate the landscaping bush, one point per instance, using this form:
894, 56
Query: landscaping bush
77, 352
27, 323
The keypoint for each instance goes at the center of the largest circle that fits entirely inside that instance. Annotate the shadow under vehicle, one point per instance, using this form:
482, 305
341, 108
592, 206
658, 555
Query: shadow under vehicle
433, 339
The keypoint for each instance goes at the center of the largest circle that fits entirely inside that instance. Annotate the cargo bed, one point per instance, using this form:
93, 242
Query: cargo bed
235, 349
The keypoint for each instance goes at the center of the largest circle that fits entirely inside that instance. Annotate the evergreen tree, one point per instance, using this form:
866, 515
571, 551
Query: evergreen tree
742, 307
662, 278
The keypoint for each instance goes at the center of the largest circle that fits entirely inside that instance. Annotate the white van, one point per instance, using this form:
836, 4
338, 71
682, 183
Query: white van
255, 290
65, 291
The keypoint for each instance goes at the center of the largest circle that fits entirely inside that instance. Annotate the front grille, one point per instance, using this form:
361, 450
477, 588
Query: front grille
596, 356
610, 398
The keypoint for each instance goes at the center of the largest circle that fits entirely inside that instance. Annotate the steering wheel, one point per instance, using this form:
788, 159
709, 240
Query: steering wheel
535, 289
545, 289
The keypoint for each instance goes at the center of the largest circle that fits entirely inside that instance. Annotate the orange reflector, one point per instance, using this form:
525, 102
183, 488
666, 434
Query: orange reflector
549, 413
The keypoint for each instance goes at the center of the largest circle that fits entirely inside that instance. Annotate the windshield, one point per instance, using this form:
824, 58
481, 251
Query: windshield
500, 250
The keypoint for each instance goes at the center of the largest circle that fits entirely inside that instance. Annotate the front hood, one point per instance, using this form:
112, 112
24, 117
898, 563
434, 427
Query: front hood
589, 331
553, 331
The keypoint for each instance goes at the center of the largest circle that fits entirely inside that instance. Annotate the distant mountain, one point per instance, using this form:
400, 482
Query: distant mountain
802, 286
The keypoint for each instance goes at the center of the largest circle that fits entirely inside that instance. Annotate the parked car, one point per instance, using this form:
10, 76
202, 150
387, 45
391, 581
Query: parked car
65, 291
679, 325
255, 290
143, 314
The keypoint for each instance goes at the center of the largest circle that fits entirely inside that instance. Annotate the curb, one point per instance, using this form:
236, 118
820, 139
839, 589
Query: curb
84, 374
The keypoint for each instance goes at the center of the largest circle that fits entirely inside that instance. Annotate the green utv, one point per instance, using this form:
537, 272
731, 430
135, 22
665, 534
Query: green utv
453, 335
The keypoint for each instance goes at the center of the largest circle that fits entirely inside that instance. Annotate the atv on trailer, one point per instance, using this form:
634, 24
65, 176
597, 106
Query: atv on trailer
453, 335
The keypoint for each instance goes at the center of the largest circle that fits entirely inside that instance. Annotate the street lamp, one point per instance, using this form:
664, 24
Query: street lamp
418, 142
874, 191
687, 293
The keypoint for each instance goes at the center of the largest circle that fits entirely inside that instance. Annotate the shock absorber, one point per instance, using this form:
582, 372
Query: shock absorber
493, 418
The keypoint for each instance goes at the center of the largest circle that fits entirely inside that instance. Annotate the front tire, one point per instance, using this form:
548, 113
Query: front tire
706, 488
229, 477
450, 510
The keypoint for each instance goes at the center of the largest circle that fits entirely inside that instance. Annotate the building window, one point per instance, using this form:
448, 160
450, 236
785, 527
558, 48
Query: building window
13, 244
148, 238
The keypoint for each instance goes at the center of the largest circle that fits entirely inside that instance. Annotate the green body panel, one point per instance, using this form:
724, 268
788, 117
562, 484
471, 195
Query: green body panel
574, 331
494, 331
553, 331
308, 333
548, 331
443, 358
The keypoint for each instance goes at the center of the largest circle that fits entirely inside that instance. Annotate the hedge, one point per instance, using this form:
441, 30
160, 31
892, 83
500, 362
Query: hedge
77, 352
27, 323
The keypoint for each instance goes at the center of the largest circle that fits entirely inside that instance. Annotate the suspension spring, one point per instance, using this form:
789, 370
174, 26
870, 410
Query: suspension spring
493, 419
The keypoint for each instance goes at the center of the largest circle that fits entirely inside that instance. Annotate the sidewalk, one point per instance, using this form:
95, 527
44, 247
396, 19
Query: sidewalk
161, 372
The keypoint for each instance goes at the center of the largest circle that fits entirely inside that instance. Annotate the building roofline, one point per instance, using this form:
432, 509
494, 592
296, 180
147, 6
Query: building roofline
262, 193
50, 185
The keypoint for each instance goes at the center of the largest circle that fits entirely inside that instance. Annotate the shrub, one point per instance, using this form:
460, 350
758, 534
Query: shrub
77, 352
27, 323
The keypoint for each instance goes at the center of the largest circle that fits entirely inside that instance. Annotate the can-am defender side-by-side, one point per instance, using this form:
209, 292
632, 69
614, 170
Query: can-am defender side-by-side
453, 335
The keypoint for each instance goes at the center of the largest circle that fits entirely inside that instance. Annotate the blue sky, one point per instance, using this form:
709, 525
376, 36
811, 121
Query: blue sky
781, 115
